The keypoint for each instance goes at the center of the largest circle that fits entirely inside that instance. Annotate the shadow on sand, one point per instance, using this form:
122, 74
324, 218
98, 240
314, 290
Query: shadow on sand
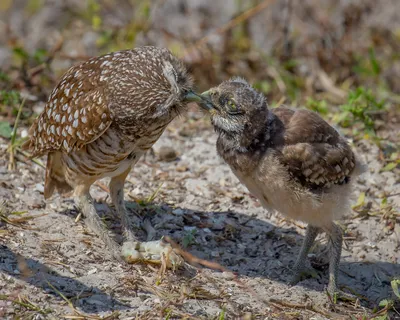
41, 276
239, 242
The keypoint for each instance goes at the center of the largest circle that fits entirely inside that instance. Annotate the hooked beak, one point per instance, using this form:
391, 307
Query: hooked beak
201, 99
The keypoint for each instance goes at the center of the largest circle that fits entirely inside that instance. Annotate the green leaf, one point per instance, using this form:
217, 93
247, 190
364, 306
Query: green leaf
394, 156
383, 317
96, 22
360, 201
21, 53
395, 286
389, 167
222, 315
5, 129
40, 55
384, 303
374, 62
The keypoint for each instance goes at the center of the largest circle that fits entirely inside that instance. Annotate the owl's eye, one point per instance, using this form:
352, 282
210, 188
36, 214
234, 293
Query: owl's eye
232, 107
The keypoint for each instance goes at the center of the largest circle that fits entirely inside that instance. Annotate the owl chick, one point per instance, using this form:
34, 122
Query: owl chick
290, 159
98, 121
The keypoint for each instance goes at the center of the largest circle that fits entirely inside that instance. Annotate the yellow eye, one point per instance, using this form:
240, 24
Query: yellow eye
232, 105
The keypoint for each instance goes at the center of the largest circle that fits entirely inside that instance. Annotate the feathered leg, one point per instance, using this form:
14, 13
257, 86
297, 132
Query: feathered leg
335, 238
299, 266
86, 205
133, 250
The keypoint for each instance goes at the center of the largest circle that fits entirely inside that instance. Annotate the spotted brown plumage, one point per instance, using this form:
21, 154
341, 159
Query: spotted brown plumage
312, 150
100, 118
292, 160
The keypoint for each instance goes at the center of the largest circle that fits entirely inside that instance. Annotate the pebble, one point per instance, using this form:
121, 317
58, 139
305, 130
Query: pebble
24, 133
189, 228
92, 271
215, 254
178, 212
39, 187
167, 154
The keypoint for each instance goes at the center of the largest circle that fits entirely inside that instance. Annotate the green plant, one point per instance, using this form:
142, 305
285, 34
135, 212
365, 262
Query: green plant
221, 315
359, 108
368, 66
14, 143
8, 99
189, 238
40, 56
263, 86
388, 304
4, 77
319, 106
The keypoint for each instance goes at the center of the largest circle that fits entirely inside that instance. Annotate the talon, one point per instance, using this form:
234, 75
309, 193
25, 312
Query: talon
151, 252
301, 275
337, 294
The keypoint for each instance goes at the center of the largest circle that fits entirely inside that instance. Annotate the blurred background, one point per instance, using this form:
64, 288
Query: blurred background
339, 58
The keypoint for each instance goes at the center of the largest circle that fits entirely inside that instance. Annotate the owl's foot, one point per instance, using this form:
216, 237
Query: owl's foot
299, 275
151, 252
336, 294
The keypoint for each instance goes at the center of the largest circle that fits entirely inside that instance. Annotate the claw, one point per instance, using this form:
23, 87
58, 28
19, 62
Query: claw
337, 294
301, 275
151, 252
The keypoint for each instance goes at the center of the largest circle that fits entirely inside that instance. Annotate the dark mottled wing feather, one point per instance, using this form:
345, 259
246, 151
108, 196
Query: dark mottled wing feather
76, 113
313, 151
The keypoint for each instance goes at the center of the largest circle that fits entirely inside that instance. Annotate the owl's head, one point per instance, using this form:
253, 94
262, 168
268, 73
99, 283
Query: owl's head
236, 108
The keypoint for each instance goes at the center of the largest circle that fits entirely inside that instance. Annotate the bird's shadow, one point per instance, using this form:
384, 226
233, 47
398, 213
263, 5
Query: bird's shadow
89, 299
256, 248
240, 242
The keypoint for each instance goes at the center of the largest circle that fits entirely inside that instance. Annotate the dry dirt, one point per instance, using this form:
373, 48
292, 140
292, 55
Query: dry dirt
51, 257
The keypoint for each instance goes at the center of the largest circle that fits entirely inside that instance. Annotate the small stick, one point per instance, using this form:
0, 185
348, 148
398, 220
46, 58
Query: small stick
193, 260
102, 186
307, 306
11, 164
280, 102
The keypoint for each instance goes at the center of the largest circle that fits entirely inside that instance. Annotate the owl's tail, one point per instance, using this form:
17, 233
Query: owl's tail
55, 176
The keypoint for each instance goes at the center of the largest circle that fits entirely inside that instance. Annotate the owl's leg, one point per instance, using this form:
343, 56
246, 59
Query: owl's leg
299, 266
85, 204
117, 198
133, 250
335, 237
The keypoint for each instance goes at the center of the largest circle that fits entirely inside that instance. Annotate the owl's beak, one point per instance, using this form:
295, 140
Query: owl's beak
202, 100
207, 104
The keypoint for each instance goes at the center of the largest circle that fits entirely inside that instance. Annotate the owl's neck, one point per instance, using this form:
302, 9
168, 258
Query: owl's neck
252, 143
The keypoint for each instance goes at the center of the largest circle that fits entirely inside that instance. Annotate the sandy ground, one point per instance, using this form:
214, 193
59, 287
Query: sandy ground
55, 267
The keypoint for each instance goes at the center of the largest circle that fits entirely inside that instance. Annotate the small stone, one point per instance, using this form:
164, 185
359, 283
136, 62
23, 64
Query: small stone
189, 228
167, 154
92, 271
38, 107
24, 133
39, 187
214, 254
182, 168
178, 212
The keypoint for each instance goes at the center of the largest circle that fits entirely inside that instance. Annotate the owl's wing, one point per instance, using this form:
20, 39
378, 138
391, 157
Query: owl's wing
313, 151
76, 113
